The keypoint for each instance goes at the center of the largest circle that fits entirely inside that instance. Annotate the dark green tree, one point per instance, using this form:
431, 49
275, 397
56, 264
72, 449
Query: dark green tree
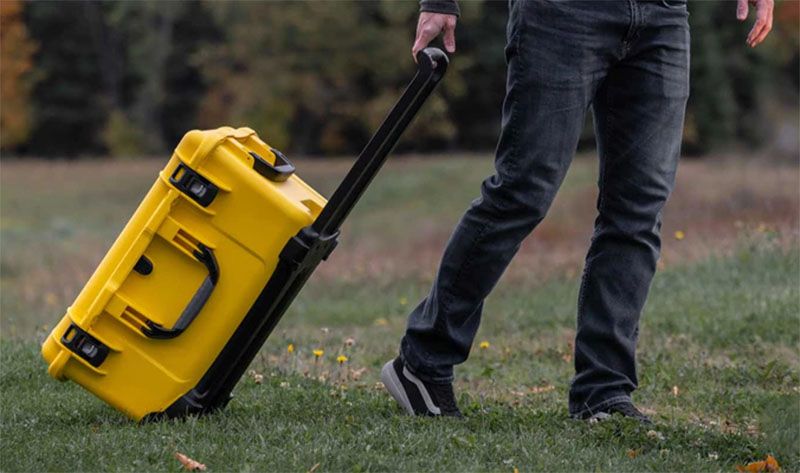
316, 77
481, 41
710, 119
129, 78
161, 42
69, 105
194, 31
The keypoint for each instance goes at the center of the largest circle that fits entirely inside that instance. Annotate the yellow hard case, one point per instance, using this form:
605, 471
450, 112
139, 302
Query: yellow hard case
157, 269
209, 263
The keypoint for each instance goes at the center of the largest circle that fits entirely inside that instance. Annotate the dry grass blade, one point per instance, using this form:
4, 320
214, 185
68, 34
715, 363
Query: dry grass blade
542, 389
188, 463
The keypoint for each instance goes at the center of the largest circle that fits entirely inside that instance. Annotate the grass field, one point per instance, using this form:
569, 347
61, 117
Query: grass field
719, 360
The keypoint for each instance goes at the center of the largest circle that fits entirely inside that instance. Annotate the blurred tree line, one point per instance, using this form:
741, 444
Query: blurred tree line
129, 78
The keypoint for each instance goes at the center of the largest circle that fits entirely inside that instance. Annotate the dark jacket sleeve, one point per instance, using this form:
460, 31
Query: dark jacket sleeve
448, 7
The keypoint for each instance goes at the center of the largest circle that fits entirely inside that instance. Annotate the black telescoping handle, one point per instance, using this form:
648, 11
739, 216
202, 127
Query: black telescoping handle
205, 255
432, 64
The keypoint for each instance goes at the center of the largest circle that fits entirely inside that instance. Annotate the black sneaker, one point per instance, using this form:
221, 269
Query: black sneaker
416, 396
625, 409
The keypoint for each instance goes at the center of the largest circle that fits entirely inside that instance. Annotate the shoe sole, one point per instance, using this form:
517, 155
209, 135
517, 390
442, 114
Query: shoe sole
392, 383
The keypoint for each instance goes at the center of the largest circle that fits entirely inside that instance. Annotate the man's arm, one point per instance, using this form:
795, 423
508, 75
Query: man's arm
436, 16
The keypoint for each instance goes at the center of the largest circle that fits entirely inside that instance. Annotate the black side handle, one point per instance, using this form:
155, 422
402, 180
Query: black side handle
278, 172
431, 66
206, 256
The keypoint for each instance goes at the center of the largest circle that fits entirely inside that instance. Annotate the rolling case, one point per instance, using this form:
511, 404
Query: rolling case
208, 264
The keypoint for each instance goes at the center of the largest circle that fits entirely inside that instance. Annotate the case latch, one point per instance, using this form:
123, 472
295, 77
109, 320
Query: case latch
197, 187
85, 345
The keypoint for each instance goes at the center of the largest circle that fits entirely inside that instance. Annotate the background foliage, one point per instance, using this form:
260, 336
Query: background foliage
129, 78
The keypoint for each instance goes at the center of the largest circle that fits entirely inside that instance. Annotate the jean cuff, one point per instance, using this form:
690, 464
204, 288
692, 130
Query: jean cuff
598, 407
418, 370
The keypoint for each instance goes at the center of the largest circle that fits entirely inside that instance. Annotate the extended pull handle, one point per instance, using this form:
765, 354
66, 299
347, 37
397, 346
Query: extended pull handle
205, 255
278, 172
432, 64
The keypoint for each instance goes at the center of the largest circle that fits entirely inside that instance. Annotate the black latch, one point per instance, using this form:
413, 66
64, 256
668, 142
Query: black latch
197, 187
85, 345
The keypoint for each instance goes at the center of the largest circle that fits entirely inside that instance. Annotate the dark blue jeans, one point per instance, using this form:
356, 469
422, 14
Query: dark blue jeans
629, 61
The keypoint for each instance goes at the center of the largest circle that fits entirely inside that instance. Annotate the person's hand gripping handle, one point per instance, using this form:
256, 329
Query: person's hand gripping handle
431, 25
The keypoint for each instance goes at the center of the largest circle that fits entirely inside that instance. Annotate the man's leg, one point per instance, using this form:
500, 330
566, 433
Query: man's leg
638, 111
553, 68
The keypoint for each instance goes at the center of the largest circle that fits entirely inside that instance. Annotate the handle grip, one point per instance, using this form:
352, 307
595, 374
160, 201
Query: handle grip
278, 172
431, 66
205, 255
433, 61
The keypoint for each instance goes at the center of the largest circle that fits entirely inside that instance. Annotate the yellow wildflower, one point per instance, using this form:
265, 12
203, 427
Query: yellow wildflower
403, 301
484, 345
290, 348
318, 352
679, 235
341, 359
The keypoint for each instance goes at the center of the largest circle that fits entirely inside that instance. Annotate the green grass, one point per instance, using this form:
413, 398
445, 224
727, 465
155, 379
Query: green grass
722, 326
738, 392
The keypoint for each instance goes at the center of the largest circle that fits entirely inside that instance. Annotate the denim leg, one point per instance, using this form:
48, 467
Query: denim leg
553, 69
639, 111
